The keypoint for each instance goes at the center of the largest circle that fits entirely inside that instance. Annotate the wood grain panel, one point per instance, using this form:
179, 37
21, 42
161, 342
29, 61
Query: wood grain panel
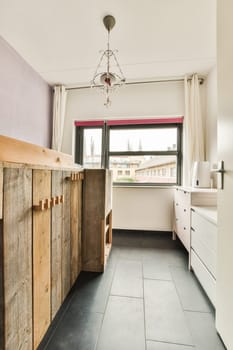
56, 236
41, 255
17, 250
65, 273
93, 217
108, 192
80, 202
1, 191
2, 335
74, 222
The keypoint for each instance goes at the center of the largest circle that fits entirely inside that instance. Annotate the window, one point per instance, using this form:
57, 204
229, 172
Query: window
164, 171
137, 154
89, 138
173, 171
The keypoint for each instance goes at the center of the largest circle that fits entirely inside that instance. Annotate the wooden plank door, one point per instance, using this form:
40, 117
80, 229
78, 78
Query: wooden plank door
56, 248
75, 213
16, 257
1, 265
66, 236
80, 202
1, 191
41, 254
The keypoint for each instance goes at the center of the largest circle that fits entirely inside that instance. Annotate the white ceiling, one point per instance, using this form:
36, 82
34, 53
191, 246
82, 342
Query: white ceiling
61, 39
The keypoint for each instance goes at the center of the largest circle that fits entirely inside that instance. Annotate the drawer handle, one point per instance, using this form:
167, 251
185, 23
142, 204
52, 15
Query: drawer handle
192, 229
184, 228
184, 210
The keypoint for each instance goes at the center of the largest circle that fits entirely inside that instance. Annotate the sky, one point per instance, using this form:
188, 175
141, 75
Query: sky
122, 140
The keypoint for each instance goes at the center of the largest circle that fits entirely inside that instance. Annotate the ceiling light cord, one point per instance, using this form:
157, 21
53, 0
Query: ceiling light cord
107, 80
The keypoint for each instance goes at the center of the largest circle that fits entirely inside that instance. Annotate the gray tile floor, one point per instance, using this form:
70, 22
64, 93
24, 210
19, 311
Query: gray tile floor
146, 300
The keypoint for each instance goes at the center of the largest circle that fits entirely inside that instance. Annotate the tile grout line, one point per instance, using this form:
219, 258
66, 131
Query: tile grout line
125, 296
157, 279
113, 275
179, 298
144, 309
166, 342
59, 321
177, 292
198, 311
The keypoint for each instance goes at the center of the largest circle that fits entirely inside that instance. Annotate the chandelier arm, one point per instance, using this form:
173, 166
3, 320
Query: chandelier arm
117, 63
100, 61
96, 84
121, 79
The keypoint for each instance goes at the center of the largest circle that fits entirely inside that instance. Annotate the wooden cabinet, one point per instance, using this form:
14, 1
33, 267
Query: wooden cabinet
16, 327
41, 254
56, 243
40, 243
40, 250
184, 198
97, 219
75, 226
65, 239
65, 235
204, 247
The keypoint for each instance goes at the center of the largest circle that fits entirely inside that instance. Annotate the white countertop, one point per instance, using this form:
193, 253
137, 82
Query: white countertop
210, 213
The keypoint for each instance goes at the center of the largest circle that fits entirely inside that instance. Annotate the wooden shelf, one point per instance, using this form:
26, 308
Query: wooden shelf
106, 228
108, 247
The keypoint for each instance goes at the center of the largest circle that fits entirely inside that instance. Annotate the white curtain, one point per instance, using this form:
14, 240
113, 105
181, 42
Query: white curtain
59, 108
194, 139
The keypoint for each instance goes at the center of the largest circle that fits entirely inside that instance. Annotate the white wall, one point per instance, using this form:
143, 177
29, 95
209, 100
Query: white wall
130, 101
133, 208
143, 208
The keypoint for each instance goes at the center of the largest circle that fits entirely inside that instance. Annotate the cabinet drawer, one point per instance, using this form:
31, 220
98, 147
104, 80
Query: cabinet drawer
204, 241
182, 217
182, 197
183, 233
206, 279
184, 236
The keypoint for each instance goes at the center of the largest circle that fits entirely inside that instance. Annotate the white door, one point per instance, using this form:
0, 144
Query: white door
224, 305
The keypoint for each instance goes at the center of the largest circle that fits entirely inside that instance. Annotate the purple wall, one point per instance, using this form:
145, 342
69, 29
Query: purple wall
25, 100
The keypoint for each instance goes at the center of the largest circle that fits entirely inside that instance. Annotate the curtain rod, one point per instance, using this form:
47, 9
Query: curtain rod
201, 80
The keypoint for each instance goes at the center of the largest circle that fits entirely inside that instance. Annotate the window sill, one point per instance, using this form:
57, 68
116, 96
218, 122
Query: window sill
154, 186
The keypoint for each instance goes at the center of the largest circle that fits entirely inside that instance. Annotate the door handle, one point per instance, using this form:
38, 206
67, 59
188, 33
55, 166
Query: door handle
220, 171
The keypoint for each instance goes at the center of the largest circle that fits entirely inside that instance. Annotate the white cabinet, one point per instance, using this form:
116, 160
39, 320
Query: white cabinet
184, 198
204, 247
182, 216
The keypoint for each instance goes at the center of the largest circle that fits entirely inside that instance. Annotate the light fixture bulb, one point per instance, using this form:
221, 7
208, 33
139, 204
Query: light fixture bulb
107, 79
